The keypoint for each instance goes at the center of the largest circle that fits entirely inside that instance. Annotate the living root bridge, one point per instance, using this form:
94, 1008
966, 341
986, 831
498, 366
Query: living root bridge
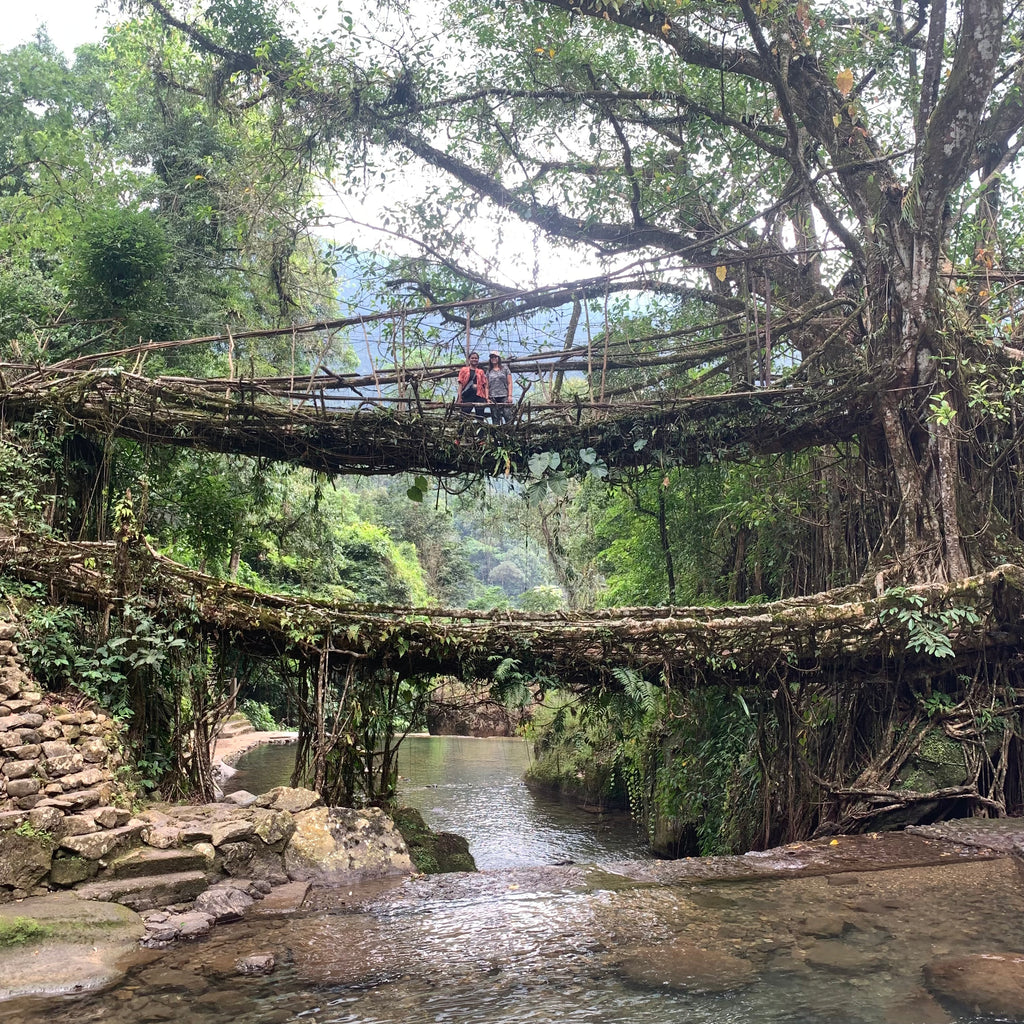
688, 646
311, 427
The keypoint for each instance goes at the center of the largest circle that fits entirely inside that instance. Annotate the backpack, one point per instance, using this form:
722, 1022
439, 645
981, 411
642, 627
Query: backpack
469, 392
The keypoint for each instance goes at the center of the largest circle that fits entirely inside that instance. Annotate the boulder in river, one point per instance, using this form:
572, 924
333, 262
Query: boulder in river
339, 844
432, 852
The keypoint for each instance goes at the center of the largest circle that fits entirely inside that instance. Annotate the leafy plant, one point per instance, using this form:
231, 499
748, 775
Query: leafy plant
923, 630
259, 715
41, 835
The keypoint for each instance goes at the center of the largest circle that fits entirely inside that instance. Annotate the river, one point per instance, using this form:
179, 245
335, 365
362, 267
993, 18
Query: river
474, 787
601, 941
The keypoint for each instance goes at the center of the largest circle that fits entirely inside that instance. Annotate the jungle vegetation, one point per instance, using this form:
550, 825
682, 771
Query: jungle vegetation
787, 194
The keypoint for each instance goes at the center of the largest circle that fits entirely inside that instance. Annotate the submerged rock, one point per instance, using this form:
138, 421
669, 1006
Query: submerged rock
985, 983
687, 968
258, 963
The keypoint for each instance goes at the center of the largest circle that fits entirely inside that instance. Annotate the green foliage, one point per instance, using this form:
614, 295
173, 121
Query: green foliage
259, 715
542, 598
29, 456
576, 752
927, 631
709, 776
16, 931
118, 264
41, 835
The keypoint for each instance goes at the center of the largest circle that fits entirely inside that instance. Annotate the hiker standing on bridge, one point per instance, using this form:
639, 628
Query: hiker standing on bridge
499, 389
472, 387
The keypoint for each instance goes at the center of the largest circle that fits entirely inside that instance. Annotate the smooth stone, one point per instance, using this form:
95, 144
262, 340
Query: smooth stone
983, 983
293, 799
89, 946
224, 903
240, 798
193, 925
687, 968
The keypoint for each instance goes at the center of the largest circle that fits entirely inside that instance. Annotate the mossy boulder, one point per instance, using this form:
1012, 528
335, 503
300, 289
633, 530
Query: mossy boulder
432, 852
938, 763
57, 944
25, 858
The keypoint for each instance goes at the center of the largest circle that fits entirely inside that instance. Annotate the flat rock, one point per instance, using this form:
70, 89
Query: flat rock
87, 946
231, 831
145, 860
291, 799
283, 899
94, 845
687, 968
982, 983
147, 893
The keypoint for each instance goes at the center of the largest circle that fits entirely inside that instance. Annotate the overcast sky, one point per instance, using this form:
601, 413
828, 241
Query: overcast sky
68, 22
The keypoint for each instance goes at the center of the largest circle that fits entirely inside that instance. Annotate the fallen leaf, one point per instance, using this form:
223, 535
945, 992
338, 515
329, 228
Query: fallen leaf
720, 273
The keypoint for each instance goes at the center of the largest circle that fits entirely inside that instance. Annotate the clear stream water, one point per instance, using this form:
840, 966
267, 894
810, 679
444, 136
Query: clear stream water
599, 942
474, 787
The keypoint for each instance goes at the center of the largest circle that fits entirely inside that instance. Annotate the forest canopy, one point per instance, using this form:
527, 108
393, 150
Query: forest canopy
694, 199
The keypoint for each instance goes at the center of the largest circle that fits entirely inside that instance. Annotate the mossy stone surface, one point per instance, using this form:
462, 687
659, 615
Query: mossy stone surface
432, 852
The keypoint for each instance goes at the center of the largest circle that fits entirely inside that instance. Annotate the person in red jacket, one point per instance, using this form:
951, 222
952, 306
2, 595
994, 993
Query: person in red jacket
472, 387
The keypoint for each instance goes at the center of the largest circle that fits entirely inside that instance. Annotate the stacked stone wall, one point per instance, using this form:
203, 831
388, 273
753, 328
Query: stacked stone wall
57, 775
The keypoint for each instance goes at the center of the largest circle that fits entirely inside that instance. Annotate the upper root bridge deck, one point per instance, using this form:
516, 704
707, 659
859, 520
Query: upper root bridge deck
324, 423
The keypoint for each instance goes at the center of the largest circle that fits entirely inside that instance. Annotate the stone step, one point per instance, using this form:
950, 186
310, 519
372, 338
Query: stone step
147, 893
144, 861
105, 843
236, 728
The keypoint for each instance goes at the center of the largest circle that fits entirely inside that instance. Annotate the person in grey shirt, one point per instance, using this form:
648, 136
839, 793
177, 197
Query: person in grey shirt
499, 390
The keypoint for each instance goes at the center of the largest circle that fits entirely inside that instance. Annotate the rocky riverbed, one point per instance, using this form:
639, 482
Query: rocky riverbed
897, 928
